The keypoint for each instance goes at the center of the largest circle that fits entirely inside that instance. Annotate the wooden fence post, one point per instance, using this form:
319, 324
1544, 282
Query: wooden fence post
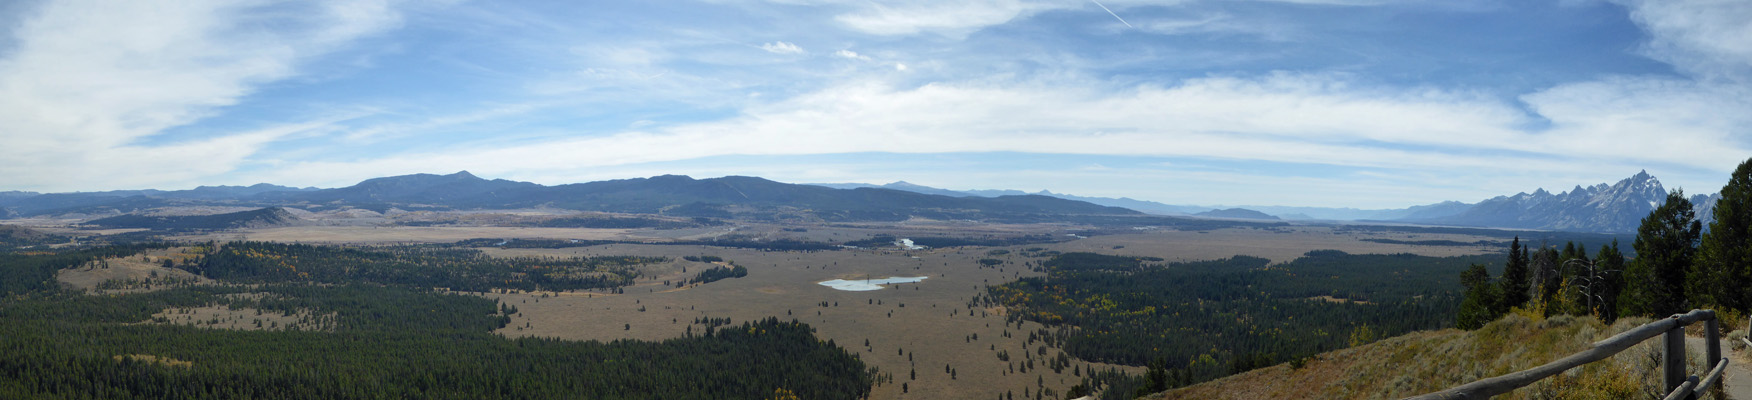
1712, 345
1673, 357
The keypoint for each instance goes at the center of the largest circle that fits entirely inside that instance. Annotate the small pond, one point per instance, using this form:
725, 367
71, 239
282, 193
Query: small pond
864, 285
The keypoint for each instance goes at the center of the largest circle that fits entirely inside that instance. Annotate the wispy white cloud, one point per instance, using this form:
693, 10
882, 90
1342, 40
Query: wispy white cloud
947, 18
90, 84
1339, 2
958, 18
1648, 120
399, 130
782, 48
620, 55
1709, 38
1217, 23
851, 55
952, 18
1206, 23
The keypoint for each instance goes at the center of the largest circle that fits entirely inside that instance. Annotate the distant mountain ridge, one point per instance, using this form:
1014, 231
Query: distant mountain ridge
24, 204
725, 197
1238, 213
458, 189
1704, 205
1122, 202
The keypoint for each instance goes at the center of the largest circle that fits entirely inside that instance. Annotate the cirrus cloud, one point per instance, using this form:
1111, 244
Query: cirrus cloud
1292, 118
90, 87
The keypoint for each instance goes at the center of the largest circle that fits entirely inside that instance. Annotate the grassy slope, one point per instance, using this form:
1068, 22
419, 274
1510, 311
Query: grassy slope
1423, 362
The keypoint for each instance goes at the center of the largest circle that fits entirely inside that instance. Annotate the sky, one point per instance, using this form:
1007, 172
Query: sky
1331, 103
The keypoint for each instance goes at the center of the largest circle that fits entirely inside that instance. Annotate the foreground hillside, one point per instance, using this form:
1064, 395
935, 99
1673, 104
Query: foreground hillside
1429, 361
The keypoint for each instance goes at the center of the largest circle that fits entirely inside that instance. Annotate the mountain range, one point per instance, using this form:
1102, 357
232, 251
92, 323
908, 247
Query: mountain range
726, 197
1122, 202
1615, 208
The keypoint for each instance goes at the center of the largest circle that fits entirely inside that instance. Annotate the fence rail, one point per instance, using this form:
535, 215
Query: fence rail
1673, 378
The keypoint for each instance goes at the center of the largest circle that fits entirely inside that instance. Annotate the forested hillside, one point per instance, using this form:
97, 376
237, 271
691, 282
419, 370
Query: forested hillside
454, 269
12, 236
271, 216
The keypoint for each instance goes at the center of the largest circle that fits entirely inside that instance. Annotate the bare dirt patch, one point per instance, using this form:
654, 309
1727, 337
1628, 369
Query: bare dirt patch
152, 359
1330, 299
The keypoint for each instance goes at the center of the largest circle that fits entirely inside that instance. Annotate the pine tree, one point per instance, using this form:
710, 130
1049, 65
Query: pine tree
1666, 244
1479, 306
1516, 283
1546, 273
1724, 257
1609, 264
1577, 276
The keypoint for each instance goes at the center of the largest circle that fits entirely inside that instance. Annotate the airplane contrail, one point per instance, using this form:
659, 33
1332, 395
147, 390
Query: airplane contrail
1110, 12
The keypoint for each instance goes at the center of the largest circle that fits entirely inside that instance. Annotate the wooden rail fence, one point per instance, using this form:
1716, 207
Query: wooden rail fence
1673, 378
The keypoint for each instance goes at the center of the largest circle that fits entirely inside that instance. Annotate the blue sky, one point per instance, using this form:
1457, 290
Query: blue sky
1345, 103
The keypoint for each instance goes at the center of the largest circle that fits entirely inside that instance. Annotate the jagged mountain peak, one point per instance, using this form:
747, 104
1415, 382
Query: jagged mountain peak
1618, 207
1643, 177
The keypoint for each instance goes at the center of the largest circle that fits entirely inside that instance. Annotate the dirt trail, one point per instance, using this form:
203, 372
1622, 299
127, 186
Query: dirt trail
1738, 379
